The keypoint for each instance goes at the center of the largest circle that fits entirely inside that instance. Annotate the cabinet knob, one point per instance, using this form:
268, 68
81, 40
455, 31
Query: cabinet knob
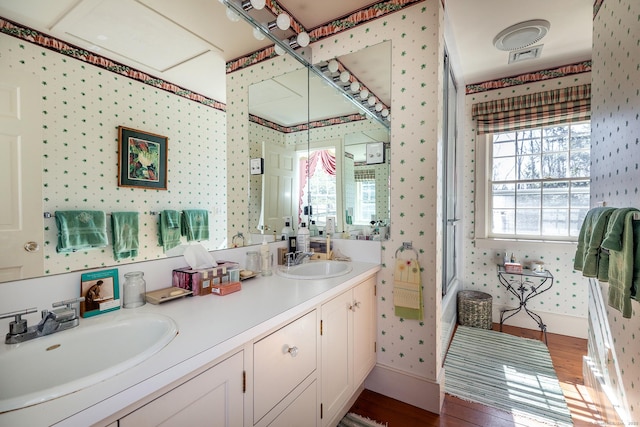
293, 351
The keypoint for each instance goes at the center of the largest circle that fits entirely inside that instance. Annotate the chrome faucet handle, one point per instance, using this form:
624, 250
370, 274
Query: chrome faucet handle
67, 302
68, 307
18, 325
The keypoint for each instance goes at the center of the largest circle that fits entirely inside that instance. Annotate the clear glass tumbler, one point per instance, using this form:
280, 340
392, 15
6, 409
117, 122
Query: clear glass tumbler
134, 289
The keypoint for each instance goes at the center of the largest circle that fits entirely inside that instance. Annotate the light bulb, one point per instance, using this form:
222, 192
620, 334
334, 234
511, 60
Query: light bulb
258, 34
333, 65
258, 4
345, 76
283, 21
279, 50
355, 87
364, 94
303, 39
371, 101
379, 107
384, 113
232, 15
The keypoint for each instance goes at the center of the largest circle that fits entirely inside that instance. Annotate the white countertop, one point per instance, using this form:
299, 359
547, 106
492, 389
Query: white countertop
209, 327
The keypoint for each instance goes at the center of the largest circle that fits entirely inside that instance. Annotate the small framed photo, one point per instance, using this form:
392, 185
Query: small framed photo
256, 166
100, 291
142, 159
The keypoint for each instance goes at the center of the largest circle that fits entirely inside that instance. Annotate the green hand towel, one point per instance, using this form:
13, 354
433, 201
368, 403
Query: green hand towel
124, 227
624, 266
81, 230
592, 232
612, 240
169, 229
195, 224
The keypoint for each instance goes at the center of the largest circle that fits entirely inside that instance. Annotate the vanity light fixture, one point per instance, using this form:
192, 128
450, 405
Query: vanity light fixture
283, 21
232, 15
521, 35
258, 4
355, 87
258, 34
364, 94
345, 76
279, 50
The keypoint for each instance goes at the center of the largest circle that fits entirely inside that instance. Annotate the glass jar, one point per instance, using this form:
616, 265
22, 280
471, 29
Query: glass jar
253, 261
134, 289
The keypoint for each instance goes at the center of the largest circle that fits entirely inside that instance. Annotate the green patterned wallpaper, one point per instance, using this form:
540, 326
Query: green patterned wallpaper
615, 155
82, 107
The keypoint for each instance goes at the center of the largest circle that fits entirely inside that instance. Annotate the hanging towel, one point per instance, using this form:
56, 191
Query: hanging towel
407, 289
624, 264
195, 224
124, 227
169, 227
589, 256
81, 230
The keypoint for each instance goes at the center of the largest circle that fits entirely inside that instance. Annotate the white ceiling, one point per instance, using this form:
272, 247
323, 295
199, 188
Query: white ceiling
188, 42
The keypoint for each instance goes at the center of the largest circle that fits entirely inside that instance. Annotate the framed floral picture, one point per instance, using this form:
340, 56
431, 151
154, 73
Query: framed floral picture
142, 159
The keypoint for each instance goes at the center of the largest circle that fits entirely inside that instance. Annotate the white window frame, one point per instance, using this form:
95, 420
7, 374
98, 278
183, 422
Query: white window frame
484, 207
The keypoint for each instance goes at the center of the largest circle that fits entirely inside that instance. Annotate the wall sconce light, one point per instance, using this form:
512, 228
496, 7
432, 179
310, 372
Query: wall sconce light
256, 166
283, 21
375, 153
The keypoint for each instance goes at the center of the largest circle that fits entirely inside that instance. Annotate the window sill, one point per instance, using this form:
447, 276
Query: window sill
501, 243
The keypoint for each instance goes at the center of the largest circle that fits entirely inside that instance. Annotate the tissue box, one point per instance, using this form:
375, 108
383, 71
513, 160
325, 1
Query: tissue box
201, 281
513, 267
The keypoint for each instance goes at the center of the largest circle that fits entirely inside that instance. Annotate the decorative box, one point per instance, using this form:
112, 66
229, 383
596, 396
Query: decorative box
513, 267
201, 281
226, 288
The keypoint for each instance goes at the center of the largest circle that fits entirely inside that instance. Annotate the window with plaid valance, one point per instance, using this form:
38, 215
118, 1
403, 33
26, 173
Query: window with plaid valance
534, 110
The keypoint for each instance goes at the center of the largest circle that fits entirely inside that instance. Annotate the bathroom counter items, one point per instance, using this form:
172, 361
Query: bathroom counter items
209, 328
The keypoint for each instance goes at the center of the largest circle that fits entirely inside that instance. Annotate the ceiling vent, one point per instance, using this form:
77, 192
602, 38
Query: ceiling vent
521, 35
532, 52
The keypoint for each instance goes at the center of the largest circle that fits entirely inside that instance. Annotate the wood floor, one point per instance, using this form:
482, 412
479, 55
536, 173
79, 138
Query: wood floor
566, 354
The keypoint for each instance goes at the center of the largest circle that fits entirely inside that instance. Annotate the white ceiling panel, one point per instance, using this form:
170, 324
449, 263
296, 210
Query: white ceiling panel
133, 31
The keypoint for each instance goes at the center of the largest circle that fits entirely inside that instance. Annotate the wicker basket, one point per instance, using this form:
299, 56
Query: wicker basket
474, 309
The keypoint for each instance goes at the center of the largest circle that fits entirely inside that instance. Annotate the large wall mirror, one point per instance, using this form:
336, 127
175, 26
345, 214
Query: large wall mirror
293, 118
323, 156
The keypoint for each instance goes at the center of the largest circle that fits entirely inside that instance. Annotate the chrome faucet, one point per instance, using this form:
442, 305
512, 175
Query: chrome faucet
56, 320
296, 258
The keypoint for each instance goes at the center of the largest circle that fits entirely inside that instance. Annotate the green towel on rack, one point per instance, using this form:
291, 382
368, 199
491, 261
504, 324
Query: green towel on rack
407, 290
169, 227
624, 264
589, 257
81, 230
195, 224
124, 227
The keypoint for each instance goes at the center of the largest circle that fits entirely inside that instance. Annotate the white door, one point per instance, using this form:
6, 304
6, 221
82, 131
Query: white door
21, 221
279, 178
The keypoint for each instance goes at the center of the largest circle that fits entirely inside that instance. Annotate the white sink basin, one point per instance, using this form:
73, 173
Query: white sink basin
314, 270
49, 367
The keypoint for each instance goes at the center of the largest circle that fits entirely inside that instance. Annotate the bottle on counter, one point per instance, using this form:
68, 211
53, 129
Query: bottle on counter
313, 229
302, 238
287, 231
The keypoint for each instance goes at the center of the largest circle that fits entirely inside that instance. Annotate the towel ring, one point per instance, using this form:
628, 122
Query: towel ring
407, 246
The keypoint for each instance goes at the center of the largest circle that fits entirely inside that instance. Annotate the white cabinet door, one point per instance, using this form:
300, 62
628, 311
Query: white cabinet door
348, 345
302, 412
364, 330
337, 338
213, 398
281, 361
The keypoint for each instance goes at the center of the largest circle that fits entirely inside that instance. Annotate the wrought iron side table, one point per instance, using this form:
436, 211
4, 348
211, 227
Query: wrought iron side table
525, 286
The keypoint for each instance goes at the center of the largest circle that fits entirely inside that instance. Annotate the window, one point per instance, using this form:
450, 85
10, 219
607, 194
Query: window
538, 182
365, 203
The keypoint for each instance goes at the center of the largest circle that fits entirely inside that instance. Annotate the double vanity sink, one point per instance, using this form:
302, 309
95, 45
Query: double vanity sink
62, 366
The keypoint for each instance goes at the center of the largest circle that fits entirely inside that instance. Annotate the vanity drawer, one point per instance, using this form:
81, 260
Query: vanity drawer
283, 360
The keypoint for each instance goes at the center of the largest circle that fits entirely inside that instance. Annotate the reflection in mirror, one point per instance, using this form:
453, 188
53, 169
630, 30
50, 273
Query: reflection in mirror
316, 144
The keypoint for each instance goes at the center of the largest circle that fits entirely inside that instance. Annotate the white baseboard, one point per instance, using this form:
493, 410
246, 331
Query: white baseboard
556, 323
406, 387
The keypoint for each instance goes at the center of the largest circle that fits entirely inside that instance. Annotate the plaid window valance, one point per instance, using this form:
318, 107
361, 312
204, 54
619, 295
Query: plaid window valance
364, 174
537, 109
